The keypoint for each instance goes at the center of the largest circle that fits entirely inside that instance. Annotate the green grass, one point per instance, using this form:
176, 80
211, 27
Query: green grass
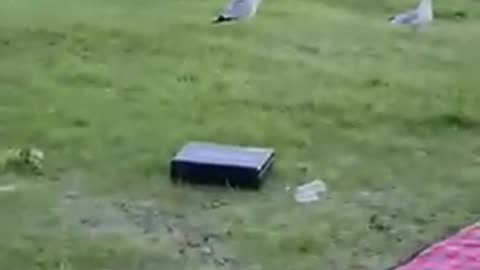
109, 90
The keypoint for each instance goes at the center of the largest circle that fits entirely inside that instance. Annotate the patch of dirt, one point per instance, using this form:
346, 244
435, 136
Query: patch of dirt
149, 223
95, 216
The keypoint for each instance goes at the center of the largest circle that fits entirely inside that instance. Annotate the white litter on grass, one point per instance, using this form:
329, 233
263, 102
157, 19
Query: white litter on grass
8, 188
310, 192
421, 15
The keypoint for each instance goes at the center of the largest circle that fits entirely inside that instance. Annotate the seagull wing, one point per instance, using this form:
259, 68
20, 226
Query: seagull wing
238, 9
405, 18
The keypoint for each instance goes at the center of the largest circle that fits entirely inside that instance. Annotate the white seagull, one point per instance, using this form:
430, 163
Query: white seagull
422, 15
238, 10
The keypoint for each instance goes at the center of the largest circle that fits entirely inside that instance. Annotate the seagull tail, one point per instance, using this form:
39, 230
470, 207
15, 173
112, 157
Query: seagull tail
221, 19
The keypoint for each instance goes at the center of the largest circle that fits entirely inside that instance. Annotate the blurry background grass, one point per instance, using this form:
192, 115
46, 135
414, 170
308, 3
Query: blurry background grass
109, 90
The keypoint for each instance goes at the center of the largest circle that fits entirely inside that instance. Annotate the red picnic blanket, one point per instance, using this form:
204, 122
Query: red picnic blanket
458, 252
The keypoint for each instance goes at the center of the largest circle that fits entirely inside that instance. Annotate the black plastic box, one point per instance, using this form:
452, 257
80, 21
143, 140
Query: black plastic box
209, 163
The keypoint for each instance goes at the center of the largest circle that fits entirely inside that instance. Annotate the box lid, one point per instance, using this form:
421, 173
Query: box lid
211, 153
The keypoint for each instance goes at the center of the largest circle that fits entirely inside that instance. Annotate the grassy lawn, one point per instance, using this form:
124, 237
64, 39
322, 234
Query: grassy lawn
110, 89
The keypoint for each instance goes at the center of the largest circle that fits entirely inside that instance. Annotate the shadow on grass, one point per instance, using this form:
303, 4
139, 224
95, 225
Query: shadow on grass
446, 120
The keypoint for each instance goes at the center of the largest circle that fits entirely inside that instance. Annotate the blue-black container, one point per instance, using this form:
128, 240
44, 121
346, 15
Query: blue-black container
216, 164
